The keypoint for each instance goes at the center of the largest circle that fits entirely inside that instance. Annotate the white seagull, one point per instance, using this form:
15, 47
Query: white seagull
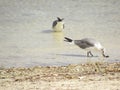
88, 44
58, 25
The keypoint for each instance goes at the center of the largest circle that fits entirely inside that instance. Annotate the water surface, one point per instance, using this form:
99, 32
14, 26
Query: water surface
26, 37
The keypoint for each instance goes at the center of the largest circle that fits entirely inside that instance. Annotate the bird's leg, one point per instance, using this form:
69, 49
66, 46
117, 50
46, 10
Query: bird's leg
103, 53
88, 53
91, 53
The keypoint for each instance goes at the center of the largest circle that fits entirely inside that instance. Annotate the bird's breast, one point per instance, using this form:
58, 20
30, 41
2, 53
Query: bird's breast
59, 26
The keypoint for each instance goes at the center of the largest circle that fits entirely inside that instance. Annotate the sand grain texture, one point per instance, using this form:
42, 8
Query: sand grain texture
89, 76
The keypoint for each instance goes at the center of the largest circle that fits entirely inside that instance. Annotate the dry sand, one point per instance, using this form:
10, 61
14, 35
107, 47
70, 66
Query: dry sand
89, 76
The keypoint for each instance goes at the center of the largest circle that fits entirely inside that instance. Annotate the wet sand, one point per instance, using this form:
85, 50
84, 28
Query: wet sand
89, 76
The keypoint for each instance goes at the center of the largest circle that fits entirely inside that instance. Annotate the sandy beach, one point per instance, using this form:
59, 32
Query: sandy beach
89, 76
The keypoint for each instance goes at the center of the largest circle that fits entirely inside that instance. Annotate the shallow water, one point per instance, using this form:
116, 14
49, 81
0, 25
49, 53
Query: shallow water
26, 37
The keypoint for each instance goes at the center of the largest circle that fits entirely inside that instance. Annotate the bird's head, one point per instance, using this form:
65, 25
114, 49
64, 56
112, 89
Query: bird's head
60, 19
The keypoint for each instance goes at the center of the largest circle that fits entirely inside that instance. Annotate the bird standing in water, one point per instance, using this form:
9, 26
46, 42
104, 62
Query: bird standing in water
88, 44
58, 25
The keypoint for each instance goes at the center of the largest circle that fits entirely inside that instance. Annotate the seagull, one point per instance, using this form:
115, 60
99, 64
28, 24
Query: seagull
58, 25
88, 44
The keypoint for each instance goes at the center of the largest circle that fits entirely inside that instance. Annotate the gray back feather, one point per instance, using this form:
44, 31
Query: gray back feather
85, 43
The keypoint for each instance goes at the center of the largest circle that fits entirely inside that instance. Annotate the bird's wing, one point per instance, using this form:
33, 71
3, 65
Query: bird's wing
54, 23
84, 43
63, 26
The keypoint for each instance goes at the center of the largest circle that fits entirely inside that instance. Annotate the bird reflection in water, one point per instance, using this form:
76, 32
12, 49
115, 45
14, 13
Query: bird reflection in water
58, 37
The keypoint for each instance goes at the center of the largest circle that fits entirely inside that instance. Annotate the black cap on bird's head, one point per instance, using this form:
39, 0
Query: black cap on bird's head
59, 19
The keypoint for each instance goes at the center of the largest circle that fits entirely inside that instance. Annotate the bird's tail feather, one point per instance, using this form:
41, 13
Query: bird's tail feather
68, 39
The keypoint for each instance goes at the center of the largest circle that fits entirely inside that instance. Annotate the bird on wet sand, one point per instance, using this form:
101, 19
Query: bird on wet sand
58, 25
88, 44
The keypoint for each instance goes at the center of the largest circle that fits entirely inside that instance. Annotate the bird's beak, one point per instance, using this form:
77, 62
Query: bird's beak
107, 56
65, 40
